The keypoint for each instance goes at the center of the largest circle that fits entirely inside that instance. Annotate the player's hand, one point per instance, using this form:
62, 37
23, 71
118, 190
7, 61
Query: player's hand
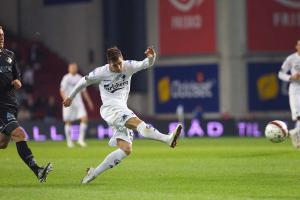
67, 102
150, 52
17, 84
295, 77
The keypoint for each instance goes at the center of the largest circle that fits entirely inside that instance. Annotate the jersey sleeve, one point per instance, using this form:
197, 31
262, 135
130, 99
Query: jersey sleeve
283, 74
15, 71
84, 89
135, 66
92, 78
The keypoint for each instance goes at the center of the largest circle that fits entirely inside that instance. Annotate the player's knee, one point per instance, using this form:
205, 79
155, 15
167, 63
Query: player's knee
19, 135
132, 123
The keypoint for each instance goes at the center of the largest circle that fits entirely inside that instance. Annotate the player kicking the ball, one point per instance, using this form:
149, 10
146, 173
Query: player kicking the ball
114, 84
292, 65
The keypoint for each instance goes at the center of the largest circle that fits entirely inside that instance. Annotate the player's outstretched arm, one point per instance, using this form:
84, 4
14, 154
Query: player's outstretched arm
78, 87
151, 55
92, 78
136, 66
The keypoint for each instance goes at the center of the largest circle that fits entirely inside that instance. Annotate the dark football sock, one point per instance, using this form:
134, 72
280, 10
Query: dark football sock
26, 155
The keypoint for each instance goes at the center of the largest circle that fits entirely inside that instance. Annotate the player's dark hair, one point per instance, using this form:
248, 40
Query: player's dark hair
113, 54
0, 27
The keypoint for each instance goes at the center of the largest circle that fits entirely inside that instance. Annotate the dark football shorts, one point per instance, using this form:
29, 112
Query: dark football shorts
8, 122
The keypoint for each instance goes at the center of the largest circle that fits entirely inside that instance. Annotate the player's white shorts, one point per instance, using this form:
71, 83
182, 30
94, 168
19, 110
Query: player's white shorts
74, 112
116, 117
294, 97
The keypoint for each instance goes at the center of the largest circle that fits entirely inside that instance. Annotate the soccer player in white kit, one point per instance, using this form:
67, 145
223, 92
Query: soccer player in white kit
114, 85
290, 72
77, 109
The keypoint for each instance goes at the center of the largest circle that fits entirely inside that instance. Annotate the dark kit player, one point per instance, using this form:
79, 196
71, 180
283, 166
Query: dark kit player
9, 126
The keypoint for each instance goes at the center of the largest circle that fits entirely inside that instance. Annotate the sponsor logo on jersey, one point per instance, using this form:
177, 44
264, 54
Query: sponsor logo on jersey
121, 76
9, 60
10, 116
115, 86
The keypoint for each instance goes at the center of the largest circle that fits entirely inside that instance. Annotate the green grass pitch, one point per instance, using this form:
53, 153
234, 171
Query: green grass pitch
202, 168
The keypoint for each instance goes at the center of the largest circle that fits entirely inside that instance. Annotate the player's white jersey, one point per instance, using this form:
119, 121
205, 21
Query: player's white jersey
68, 83
114, 87
291, 65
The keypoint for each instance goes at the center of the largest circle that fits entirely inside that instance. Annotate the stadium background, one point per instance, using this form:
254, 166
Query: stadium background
219, 59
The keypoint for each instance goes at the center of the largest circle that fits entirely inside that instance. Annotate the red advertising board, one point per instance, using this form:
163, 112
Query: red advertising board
187, 27
273, 25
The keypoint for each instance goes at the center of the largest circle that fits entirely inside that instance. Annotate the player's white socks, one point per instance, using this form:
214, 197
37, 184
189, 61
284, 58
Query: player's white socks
82, 131
149, 131
110, 161
68, 135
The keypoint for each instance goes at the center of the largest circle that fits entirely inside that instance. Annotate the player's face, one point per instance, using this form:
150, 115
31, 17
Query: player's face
116, 66
298, 46
1, 39
73, 68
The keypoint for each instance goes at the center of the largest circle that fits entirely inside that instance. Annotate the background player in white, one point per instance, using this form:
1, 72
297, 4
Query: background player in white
77, 110
290, 72
114, 84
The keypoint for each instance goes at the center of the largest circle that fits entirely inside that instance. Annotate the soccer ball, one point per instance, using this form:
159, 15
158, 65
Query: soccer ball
276, 131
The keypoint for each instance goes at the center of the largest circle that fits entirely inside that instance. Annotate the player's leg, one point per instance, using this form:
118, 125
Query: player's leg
111, 160
4, 125
82, 131
115, 157
18, 135
295, 110
68, 117
295, 134
149, 131
67, 127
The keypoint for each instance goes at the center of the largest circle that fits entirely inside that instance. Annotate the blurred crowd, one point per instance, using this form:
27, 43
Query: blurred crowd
33, 106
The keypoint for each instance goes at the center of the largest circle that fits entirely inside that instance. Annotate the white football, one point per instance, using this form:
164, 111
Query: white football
276, 131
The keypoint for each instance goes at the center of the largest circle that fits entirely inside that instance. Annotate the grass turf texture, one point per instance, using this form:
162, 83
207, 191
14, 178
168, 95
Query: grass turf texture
216, 169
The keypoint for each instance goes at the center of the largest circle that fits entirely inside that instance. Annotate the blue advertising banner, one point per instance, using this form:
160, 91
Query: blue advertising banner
191, 86
265, 91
